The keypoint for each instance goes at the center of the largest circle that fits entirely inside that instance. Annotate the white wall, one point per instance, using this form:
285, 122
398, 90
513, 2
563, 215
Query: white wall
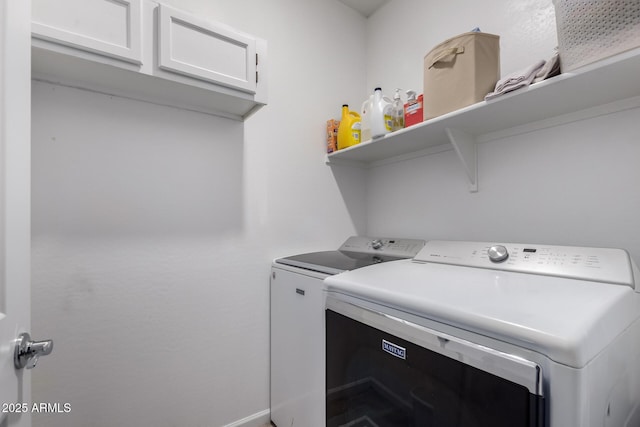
574, 184
154, 227
570, 185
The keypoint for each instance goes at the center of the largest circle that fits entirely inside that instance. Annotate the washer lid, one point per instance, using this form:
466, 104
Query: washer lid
569, 320
334, 262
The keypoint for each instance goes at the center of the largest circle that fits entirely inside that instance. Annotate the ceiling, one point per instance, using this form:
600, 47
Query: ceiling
365, 7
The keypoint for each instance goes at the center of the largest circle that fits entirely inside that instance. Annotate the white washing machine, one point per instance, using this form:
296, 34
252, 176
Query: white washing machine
297, 322
486, 335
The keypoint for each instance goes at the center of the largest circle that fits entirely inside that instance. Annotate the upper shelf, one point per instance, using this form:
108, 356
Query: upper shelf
606, 81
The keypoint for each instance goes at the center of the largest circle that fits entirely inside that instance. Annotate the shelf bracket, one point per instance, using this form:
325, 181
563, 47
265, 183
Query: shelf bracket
466, 149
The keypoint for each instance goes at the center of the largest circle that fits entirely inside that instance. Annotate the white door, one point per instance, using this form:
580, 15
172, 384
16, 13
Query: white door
15, 131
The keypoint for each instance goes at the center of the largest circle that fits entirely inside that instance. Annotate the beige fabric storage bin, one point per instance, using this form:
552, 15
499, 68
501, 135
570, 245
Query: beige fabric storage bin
590, 30
460, 71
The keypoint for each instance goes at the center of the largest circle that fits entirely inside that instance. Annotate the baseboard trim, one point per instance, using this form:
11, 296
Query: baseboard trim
259, 419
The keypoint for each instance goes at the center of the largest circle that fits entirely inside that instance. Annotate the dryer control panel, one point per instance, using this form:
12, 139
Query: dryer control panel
593, 264
401, 248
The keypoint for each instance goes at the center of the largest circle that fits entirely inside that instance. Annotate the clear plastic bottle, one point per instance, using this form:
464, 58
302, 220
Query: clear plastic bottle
398, 111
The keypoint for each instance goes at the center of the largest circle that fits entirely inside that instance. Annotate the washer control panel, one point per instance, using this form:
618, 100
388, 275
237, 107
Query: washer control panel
596, 264
402, 248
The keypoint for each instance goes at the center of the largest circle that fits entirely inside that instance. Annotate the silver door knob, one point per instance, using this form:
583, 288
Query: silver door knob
27, 352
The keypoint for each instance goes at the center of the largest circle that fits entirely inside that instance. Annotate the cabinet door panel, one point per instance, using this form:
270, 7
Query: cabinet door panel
206, 51
111, 28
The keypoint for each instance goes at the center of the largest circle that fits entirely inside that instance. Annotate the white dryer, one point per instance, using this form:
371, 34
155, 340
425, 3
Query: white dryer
486, 335
297, 322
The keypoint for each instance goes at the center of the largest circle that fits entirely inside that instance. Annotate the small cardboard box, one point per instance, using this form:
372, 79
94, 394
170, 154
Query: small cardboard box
332, 135
460, 71
414, 112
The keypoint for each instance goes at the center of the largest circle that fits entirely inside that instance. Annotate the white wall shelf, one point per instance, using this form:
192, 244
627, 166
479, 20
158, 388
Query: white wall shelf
598, 85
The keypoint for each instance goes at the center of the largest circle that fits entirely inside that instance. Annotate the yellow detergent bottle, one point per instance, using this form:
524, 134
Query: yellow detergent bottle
350, 128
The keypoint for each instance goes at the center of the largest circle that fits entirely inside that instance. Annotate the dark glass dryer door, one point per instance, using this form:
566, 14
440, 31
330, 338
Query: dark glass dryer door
386, 372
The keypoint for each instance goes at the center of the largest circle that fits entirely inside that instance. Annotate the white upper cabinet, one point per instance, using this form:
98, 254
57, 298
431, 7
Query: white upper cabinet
107, 27
145, 50
206, 50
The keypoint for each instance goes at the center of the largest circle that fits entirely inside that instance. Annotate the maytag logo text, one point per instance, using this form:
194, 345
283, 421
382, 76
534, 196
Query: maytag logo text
393, 349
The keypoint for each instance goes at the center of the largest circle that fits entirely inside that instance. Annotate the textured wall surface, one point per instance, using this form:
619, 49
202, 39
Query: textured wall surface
154, 228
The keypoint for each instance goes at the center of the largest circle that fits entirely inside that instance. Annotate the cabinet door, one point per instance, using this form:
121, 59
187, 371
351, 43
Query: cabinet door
112, 28
205, 50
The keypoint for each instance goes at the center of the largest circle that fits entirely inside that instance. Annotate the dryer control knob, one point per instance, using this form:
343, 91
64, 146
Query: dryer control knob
377, 244
498, 253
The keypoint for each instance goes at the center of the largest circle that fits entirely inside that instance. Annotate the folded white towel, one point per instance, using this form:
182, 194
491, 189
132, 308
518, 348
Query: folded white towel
516, 80
519, 76
551, 68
